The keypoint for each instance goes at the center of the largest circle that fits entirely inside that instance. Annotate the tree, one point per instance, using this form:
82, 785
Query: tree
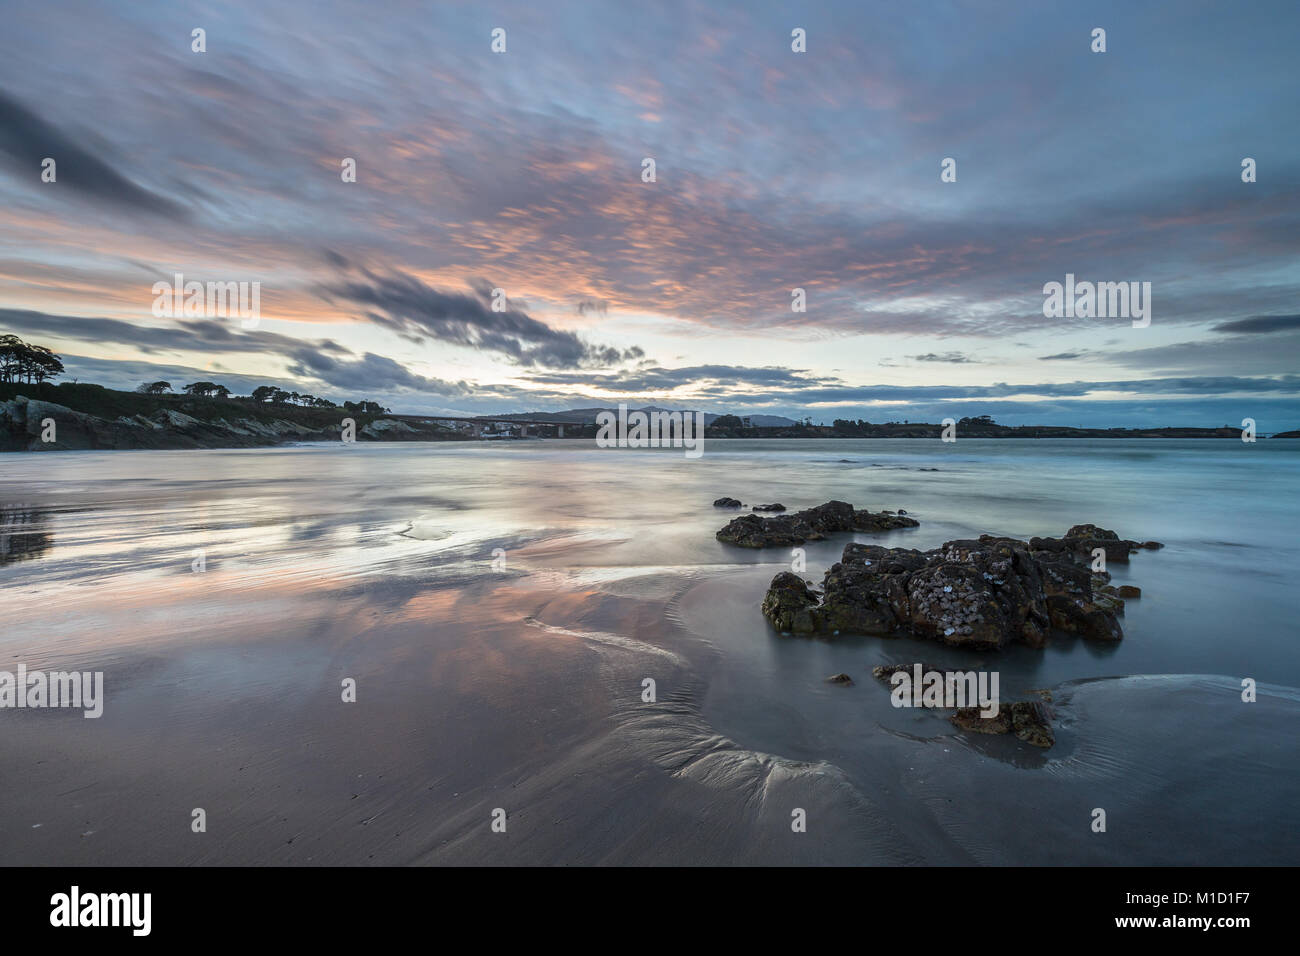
206, 390
10, 349
264, 393
154, 388
20, 361
728, 421
45, 364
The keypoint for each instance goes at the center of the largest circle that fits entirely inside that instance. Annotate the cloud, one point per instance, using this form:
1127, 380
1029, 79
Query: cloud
659, 379
818, 172
369, 374
1260, 324
27, 140
415, 311
951, 358
205, 335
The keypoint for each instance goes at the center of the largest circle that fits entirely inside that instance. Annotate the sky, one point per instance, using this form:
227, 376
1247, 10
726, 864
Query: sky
523, 171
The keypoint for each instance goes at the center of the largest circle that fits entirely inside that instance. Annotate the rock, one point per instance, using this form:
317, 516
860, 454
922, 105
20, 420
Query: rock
813, 524
1129, 591
1083, 539
986, 593
956, 604
1115, 551
1029, 720
1052, 545
839, 679
886, 671
1107, 596
1084, 618
776, 507
1091, 531
387, 428
969, 718
789, 604
1152, 545
752, 531
726, 503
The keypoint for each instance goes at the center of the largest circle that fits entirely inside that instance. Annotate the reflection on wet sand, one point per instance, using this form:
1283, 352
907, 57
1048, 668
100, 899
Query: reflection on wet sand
24, 533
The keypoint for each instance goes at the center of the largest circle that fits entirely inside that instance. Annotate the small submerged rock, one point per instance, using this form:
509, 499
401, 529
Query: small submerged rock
727, 503
1029, 720
776, 507
886, 671
1129, 591
839, 679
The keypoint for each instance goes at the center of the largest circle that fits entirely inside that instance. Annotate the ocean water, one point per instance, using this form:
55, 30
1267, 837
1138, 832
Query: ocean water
507, 600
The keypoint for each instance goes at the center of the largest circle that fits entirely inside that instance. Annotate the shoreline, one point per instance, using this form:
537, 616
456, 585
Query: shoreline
102, 419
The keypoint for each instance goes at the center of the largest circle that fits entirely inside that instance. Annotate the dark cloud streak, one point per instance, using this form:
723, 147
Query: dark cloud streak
27, 140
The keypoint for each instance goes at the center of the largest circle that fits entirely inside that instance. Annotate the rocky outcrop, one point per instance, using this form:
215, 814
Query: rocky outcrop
23, 427
986, 593
814, 524
725, 502
773, 507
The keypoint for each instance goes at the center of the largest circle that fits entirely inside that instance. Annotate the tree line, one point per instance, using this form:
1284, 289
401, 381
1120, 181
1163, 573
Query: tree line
34, 364
262, 395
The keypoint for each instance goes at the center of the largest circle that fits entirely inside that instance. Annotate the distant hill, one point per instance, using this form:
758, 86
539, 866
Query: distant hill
588, 416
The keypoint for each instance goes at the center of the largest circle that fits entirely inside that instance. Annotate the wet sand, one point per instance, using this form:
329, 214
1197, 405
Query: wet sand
522, 690
536, 708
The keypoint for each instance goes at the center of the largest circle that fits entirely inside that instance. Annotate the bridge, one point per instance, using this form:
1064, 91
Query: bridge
485, 425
